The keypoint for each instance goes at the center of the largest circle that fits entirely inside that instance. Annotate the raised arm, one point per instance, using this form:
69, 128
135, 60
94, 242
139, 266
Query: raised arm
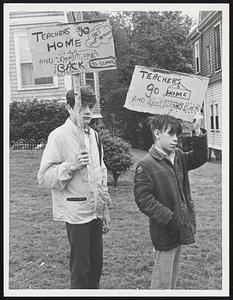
199, 155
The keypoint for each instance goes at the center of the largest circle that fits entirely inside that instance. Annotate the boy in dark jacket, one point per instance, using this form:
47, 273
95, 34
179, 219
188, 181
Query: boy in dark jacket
162, 192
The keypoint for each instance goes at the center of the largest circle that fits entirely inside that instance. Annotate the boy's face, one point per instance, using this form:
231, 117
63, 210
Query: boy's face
85, 112
165, 141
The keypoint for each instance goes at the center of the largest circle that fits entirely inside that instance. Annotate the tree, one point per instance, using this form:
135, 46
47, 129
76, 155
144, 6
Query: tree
159, 39
126, 121
147, 38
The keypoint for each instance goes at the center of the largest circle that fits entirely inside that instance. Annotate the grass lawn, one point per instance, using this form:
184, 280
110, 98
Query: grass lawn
39, 249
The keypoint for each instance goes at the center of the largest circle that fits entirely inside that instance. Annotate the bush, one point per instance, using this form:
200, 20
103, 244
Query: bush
117, 154
35, 119
127, 122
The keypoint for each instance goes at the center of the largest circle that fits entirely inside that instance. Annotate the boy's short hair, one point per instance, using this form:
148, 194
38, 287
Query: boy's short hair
87, 96
163, 122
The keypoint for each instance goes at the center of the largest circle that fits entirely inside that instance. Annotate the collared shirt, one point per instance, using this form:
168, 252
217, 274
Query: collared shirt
170, 156
87, 130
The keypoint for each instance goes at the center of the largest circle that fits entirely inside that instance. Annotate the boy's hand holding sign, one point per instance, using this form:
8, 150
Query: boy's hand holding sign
197, 123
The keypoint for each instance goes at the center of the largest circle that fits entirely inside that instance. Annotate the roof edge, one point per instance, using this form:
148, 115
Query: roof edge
197, 29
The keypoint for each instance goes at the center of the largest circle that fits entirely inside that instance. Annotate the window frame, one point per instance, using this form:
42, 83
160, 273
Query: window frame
20, 87
197, 56
214, 117
209, 59
220, 46
94, 80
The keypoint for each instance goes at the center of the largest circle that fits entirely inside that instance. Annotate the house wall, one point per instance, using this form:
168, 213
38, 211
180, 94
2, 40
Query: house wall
18, 25
214, 91
207, 38
203, 15
214, 96
19, 21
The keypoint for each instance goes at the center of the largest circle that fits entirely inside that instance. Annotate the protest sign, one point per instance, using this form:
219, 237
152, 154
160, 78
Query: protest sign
158, 91
73, 48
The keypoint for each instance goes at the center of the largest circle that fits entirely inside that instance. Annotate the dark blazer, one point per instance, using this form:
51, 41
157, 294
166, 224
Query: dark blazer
162, 192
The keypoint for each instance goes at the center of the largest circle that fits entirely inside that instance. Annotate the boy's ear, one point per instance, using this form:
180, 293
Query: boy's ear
156, 132
68, 107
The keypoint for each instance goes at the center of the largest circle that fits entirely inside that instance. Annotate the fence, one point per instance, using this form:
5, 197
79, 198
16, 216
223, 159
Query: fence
31, 144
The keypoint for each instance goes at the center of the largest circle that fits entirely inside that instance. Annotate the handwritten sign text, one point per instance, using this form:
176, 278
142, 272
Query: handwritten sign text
72, 48
165, 92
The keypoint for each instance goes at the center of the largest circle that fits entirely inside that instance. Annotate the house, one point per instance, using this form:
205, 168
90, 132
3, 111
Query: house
206, 39
23, 84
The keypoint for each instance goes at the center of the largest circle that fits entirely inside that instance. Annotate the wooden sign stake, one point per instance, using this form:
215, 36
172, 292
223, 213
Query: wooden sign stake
78, 102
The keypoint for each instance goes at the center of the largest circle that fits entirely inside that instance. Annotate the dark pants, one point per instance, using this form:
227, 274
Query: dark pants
86, 254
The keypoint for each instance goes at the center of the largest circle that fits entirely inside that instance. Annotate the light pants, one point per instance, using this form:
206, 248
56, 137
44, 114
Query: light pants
166, 268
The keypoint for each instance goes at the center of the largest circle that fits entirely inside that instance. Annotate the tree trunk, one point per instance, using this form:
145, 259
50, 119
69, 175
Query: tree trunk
115, 179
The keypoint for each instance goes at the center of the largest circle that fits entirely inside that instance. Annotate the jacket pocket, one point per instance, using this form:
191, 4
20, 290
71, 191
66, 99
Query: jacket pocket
76, 199
187, 234
164, 236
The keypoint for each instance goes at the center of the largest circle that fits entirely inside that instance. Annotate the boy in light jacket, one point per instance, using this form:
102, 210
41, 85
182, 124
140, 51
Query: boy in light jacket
82, 203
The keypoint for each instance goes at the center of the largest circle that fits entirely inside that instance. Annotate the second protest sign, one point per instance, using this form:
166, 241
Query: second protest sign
159, 91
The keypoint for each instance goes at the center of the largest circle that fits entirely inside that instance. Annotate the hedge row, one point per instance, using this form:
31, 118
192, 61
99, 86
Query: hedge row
35, 119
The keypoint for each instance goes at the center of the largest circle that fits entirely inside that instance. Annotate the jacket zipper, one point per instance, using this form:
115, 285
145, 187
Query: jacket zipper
92, 169
171, 165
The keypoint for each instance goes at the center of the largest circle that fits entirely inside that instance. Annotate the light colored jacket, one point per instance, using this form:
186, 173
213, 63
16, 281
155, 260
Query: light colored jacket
77, 198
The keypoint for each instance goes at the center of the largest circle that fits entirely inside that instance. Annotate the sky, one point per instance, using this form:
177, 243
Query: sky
191, 9
193, 13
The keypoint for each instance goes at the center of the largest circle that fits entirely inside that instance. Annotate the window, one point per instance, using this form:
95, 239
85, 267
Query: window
197, 56
217, 47
211, 116
208, 54
214, 117
90, 80
25, 71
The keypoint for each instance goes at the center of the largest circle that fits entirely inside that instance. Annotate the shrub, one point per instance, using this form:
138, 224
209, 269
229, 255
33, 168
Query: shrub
117, 154
35, 119
126, 121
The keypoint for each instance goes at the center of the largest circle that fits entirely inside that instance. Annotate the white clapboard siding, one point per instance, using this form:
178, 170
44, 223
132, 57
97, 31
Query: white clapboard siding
21, 94
12, 64
214, 96
19, 21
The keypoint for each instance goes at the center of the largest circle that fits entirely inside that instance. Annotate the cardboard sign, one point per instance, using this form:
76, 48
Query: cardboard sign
159, 91
67, 49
